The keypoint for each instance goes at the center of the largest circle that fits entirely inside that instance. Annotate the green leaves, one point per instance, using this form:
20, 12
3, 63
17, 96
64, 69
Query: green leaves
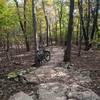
12, 75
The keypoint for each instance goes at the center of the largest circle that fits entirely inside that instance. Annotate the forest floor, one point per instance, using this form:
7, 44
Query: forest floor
89, 60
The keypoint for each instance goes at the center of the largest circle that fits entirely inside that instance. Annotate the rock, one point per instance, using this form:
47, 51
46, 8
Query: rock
61, 84
81, 93
1, 92
21, 96
42, 75
49, 74
52, 91
81, 76
31, 78
91, 50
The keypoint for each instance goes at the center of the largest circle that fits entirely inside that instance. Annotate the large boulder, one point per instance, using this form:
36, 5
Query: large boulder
42, 75
52, 91
21, 96
81, 76
78, 92
61, 91
59, 84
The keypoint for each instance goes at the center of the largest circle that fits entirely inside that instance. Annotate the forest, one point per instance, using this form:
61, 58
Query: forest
49, 49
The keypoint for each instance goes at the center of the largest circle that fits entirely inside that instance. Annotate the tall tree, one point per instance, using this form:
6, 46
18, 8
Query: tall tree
95, 19
34, 30
60, 19
47, 24
80, 40
88, 19
67, 52
8, 42
23, 26
86, 32
56, 37
26, 39
86, 38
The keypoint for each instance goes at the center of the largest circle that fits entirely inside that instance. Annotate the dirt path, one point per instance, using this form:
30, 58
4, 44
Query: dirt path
56, 57
53, 71
89, 61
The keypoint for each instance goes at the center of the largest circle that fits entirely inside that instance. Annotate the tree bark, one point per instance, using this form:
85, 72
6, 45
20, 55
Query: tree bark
56, 28
67, 53
34, 31
82, 24
95, 20
47, 24
40, 35
80, 39
50, 36
77, 34
60, 21
23, 26
56, 36
7, 42
88, 19
24, 31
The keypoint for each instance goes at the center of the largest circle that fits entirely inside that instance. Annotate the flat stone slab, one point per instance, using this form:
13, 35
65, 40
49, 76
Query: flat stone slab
60, 91
78, 92
59, 84
20, 96
42, 75
52, 91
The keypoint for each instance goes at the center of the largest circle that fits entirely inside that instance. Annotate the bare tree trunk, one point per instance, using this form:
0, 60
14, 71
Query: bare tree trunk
56, 28
80, 39
23, 27
83, 26
24, 31
77, 34
47, 24
67, 52
40, 35
56, 37
34, 31
7, 42
95, 20
88, 19
60, 21
50, 36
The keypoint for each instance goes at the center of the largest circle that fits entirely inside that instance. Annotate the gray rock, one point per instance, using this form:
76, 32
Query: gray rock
42, 75
21, 96
60, 84
81, 93
52, 91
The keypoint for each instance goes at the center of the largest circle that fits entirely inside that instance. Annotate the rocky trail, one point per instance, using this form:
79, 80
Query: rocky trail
51, 81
